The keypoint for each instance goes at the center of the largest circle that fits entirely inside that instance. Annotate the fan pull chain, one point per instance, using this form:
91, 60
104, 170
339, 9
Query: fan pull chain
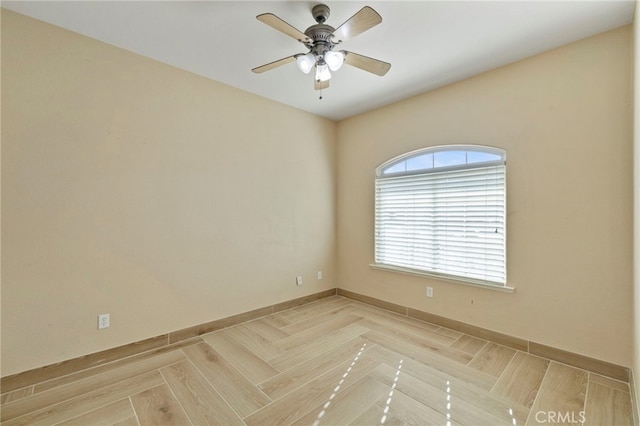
320, 94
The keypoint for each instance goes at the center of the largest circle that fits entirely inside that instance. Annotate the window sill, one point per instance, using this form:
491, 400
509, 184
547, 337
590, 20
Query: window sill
469, 282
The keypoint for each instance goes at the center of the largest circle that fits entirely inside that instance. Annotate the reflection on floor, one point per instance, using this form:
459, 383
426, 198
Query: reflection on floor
332, 362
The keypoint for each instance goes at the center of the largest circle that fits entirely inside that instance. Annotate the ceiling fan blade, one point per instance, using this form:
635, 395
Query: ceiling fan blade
274, 22
364, 19
319, 85
274, 64
366, 63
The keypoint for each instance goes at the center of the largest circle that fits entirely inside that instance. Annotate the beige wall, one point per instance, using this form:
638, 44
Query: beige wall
168, 200
565, 120
158, 196
636, 192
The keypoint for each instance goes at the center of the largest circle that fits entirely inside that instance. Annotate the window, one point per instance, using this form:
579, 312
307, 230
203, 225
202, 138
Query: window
441, 211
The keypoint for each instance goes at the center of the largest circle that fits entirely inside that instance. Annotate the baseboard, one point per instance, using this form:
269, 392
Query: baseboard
187, 333
472, 330
634, 399
580, 361
373, 301
53, 371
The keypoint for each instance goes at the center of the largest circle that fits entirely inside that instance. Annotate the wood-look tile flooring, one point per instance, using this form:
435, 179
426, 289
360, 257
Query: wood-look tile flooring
332, 362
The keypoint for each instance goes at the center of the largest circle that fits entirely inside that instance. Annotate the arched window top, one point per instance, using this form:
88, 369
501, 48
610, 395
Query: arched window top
439, 158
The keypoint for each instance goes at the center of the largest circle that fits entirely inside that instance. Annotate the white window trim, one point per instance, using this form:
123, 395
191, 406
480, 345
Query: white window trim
441, 148
458, 280
432, 150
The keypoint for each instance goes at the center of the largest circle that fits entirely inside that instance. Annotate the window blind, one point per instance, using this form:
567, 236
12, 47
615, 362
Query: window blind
450, 223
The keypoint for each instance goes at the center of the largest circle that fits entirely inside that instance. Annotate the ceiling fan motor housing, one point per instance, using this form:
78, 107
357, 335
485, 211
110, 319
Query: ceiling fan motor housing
321, 38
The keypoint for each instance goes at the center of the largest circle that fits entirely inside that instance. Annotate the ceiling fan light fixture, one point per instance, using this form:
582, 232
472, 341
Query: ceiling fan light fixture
306, 62
322, 72
320, 40
334, 60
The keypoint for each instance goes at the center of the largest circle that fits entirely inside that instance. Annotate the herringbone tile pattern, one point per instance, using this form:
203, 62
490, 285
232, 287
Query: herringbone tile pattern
332, 362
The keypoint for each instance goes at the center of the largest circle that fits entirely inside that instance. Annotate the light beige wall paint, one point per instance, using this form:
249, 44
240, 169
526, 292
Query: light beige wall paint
636, 192
158, 196
117, 196
0, 199
565, 120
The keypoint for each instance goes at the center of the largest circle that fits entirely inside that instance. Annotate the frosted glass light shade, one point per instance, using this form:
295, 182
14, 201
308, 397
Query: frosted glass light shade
322, 72
334, 60
306, 62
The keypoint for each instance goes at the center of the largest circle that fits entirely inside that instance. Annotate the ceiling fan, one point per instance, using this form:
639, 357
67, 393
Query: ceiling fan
321, 39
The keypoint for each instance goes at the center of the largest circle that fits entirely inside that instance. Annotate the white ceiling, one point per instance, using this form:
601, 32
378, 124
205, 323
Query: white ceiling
429, 43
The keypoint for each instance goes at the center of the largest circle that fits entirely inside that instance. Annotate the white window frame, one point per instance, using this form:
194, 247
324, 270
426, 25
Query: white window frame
466, 251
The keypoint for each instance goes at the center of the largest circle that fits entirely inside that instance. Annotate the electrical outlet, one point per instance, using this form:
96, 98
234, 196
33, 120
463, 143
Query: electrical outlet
299, 280
103, 321
429, 291
319, 275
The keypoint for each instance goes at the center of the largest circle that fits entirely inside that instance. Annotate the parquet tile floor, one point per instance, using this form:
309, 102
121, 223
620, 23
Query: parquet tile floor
332, 362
